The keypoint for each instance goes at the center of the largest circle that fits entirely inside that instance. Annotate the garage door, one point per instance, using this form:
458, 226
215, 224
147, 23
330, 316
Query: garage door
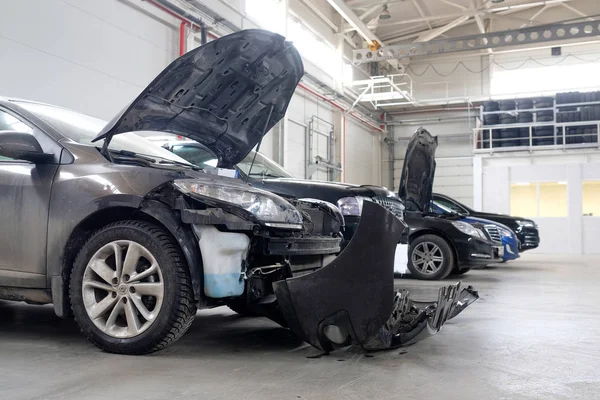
453, 177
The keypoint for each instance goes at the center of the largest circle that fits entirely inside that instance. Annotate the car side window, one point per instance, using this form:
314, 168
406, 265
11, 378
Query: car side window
451, 205
8, 122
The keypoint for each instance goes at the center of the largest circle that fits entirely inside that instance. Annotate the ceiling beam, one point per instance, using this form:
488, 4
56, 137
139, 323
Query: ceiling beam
453, 4
576, 11
426, 37
414, 31
536, 15
342, 8
319, 14
421, 12
513, 37
370, 12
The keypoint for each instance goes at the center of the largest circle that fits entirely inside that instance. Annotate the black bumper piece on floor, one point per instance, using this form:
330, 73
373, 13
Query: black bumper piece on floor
354, 292
352, 300
412, 321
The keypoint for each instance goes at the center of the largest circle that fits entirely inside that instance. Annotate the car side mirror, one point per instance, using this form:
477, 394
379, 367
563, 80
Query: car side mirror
23, 146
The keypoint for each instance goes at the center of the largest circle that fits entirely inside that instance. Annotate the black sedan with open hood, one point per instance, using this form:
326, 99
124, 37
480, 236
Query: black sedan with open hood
133, 239
438, 244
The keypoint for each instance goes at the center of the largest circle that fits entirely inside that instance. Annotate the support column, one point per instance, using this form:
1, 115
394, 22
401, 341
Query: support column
340, 132
284, 123
575, 208
478, 183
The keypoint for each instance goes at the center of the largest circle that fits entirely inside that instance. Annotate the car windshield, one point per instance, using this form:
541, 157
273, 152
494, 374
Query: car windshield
437, 208
83, 129
262, 167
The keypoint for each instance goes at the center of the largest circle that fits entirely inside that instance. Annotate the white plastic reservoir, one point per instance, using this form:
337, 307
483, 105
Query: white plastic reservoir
401, 259
223, 254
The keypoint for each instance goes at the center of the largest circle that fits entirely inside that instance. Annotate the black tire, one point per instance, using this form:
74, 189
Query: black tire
525, 117
507, 120
525, 104
178, 307
585, 113
506, 105
460, 271
543, 142
544, 103
511, 133
446, 265
543, 132
545, 119
546, 113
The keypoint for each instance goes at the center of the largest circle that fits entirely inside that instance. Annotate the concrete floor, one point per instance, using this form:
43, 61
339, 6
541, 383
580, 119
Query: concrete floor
534, 334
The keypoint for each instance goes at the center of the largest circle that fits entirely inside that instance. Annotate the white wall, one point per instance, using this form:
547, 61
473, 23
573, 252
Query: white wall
96, 56
573, 234
363, 154
91, 56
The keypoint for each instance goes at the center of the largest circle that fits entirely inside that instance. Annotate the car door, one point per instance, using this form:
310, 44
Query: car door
24, 200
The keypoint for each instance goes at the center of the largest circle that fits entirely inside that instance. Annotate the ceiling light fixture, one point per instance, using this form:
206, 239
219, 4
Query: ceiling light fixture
385, 14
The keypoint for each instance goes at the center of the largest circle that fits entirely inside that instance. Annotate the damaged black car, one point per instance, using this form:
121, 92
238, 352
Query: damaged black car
131, 240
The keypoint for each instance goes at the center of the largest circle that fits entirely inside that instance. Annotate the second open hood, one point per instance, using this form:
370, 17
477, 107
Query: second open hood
225, 94
418, 171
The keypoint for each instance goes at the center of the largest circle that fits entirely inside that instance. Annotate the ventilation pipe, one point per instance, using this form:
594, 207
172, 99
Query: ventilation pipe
186, 18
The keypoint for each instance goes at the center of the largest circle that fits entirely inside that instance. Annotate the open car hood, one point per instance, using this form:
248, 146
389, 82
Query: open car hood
418, 171
225, 94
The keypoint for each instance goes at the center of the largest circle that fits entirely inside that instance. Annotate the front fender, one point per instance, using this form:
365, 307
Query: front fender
182, 232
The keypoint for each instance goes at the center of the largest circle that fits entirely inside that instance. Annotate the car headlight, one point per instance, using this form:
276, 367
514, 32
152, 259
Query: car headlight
351, 206
466, 228
265, 206
505, 233
527, 223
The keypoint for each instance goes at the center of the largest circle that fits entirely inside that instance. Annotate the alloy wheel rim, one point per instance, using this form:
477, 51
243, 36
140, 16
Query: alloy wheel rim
123, 289
427, 258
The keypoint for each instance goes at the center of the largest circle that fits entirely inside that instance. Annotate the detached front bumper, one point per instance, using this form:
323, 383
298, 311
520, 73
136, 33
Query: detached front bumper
352, 301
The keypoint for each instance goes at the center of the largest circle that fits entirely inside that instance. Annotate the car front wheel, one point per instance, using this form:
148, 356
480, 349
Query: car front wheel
430, 258
130, 289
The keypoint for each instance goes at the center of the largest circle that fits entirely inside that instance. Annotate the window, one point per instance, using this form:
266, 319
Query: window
76, 126
523, 199
590, 193
11, 123
552, 199
538, 199
269, 14
450, 205
549, 79
315, 50
83, 129
262, 167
